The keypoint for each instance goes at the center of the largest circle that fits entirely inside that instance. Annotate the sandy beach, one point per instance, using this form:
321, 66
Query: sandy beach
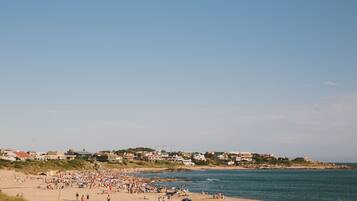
15, 183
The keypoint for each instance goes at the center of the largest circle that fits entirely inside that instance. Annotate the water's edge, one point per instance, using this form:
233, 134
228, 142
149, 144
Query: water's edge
270, 185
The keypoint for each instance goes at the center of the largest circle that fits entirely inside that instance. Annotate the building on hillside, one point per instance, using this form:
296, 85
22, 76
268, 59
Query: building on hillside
268, 156
164, 155
185, 155
58, 155
128, 156
188, 162
175, 158
34, 155
223, 157
230, 163
199, 157
8, 155
112, 157
152, 156
244, 157
308, 159
108, 157
232, 155
22, 156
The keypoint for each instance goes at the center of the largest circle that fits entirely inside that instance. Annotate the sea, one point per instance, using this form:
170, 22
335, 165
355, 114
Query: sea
269, 185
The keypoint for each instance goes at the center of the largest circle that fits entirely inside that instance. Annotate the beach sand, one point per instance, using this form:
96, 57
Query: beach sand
28, 186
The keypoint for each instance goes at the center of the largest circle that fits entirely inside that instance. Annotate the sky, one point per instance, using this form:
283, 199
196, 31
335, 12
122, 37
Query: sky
262, 76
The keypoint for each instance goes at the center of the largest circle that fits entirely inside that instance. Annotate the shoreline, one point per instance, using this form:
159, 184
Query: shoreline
14, 183
202, 168
29, 187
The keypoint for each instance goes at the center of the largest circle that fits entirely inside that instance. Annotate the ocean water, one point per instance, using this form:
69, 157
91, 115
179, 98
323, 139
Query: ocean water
270, 185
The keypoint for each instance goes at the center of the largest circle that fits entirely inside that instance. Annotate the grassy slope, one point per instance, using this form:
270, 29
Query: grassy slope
142, 164
34, 167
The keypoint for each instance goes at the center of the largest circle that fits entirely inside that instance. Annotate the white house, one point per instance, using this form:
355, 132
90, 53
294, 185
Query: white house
230, 163
8, 155
223, 157
55, 155
188, 162
199, 157
244, 157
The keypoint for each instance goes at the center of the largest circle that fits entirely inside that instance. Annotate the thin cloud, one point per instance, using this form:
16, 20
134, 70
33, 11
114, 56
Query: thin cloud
330, 83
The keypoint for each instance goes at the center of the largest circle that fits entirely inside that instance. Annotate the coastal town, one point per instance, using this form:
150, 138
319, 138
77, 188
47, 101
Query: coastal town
105, 175
98, 182
178, 100
115, 175
142, 154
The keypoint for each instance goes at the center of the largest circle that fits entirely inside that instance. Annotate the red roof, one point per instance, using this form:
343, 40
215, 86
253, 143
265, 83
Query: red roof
22, 154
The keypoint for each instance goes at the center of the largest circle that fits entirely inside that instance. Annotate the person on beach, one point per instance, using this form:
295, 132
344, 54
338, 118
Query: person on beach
77, 196
108, 197
82, 198
87, 197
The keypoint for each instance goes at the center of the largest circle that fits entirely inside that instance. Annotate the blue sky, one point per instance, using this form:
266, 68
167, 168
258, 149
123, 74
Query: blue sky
272, 76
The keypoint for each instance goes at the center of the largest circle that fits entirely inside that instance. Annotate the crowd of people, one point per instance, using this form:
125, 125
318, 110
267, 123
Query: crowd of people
106, 180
